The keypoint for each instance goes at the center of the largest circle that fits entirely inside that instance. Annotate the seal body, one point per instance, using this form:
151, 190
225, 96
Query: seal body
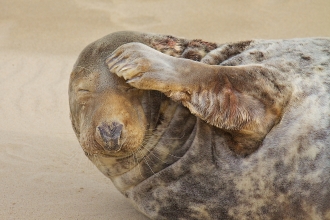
188, 129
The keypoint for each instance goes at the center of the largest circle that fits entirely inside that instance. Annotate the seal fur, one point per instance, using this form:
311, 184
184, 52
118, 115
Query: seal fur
188, 129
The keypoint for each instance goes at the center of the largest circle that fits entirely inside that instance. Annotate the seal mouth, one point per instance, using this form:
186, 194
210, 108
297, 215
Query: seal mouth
103, 150
122, 150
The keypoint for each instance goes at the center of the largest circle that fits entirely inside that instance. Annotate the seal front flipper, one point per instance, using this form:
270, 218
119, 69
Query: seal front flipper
245, 101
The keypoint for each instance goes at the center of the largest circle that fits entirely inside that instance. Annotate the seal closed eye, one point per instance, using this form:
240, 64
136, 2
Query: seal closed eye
188, 129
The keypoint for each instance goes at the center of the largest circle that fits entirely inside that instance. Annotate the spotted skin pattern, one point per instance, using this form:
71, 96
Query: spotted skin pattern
183, 154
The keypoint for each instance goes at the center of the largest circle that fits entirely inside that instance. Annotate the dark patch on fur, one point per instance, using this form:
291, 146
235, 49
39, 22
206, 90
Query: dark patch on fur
160, 119
169, 44
233, 49
259, 56
206, 46
171, 211
192, 55
305, 57
214, 156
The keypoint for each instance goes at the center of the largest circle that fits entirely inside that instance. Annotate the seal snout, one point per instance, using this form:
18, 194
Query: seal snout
108, 135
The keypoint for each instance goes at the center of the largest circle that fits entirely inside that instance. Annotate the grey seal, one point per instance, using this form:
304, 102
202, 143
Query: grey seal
188, 129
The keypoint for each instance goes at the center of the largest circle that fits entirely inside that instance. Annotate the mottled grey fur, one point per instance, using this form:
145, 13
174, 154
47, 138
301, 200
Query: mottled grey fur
191, 163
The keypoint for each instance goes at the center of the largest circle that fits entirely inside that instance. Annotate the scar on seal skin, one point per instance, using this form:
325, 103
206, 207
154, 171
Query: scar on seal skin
188, 129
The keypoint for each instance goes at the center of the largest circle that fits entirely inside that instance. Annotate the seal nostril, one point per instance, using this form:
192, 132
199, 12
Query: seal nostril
110, 135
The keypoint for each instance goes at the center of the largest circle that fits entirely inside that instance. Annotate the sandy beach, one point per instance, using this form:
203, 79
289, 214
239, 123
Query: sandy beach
44, 173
